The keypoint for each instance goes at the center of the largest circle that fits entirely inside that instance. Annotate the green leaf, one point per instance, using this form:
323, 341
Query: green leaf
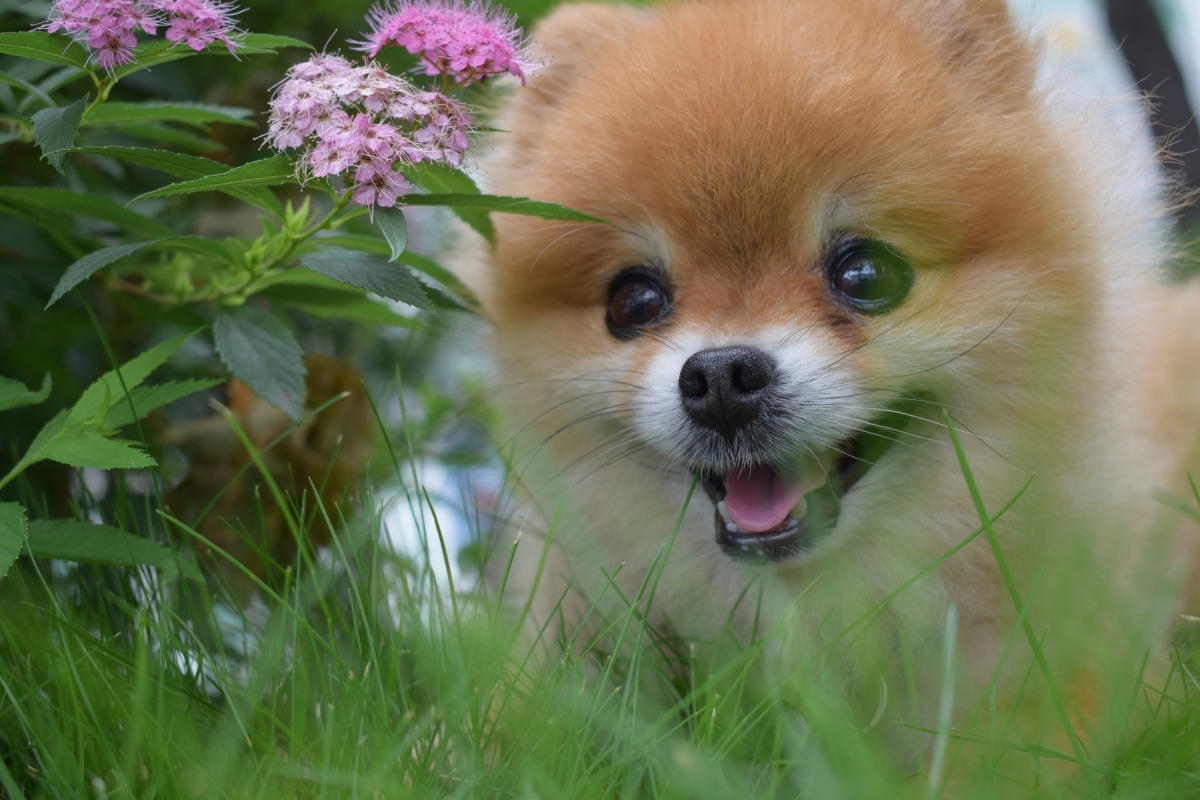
106, 393
58, 79
190, 113
444, 180
370, 272
77, 436
87, 205
440, 178
169, 137
264, 354
350, 241
439, 274
26, 86
508, 205
87, 266
395, 229
267, 43
152, 53
77, 540
94, 450
177, 164
197, 245
340, 302
43, 46
54, 130
12, 534
370, 244
272, 171
185, 166
13, 394
148, 398
157, 52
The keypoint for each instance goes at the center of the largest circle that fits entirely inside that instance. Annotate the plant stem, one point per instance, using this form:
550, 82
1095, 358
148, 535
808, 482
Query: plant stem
13, 473
256, 273
324, 224
103, 86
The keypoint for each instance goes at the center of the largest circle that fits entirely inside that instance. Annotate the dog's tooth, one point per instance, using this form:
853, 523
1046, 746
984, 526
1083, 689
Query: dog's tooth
731, 527
810, 470
801, 508
722, 510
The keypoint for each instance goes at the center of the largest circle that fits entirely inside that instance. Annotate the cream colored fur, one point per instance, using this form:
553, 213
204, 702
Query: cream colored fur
727, 140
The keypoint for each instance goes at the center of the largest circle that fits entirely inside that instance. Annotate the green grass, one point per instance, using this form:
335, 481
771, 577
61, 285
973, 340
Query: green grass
357, 675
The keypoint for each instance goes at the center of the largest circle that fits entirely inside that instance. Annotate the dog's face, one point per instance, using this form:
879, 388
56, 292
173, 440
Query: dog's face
828, 219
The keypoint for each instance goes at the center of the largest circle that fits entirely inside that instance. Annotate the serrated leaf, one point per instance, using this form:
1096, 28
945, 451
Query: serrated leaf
54, 131
394, 226
507, 205
191, 113
43, 46
13, 394
108, 387
370, 272
12, 534
197, 245
86, 205
157, 52
76, 540
93, 450
272, 171
185, 166
149, 398
74, 436
444, 180
177, 164
341, 302
262, 352
174, 138
441, 275
370, 244
87, 266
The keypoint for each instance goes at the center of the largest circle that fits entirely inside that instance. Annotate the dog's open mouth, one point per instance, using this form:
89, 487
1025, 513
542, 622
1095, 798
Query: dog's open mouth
769, 514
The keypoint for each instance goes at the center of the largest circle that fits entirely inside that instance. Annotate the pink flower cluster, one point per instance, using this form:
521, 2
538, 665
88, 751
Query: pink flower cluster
365, 120
470, 42
108, 26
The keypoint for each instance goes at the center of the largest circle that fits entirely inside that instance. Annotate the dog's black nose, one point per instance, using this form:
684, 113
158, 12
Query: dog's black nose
723, 388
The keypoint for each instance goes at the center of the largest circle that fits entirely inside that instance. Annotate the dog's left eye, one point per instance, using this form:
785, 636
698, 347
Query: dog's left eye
871, 278
636, 298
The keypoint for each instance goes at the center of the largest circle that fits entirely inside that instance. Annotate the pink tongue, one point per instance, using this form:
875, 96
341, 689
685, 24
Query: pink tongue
758, 499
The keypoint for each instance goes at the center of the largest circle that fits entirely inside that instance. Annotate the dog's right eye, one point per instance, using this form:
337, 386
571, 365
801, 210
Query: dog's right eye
637, 298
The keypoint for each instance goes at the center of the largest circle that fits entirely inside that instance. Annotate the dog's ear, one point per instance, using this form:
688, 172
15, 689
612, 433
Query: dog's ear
980, 36
571, 39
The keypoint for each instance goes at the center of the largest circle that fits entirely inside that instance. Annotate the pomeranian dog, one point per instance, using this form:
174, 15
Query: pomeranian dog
837, 231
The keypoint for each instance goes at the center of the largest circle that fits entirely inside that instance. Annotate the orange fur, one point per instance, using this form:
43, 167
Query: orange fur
728, 141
